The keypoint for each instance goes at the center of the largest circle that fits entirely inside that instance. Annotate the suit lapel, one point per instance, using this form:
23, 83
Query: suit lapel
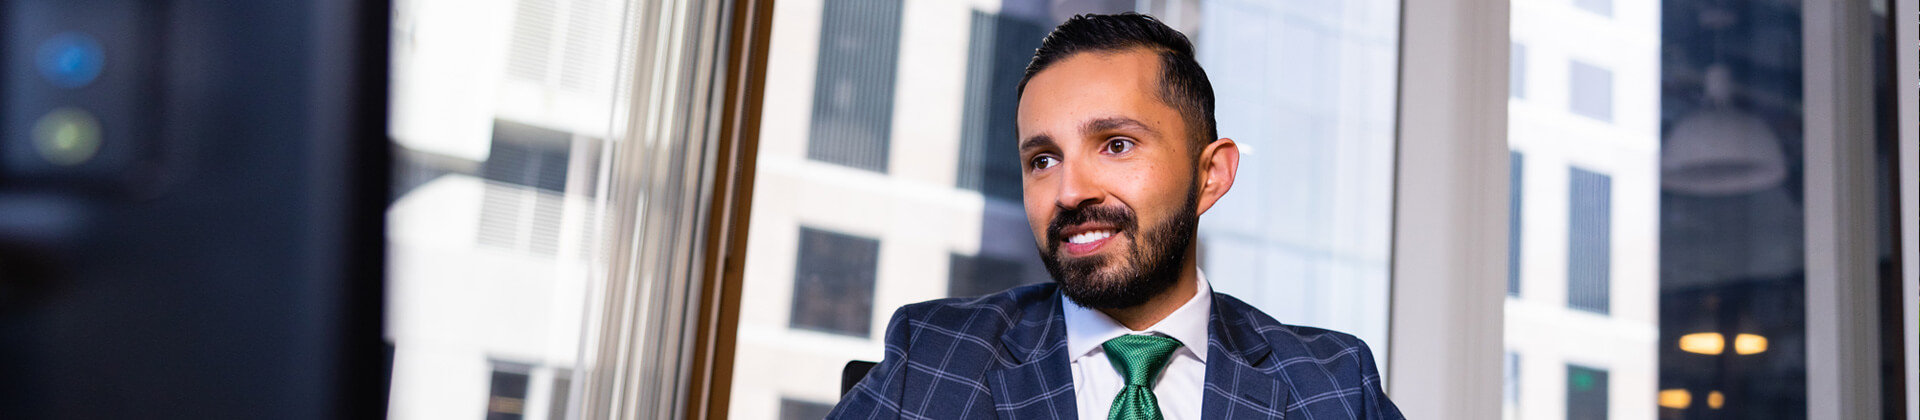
1237, 387
1037, 383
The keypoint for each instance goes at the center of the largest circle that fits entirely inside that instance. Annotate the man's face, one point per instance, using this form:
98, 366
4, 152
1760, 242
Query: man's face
1109, 178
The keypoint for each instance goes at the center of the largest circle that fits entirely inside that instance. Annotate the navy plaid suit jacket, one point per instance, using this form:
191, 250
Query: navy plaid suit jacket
1005, 356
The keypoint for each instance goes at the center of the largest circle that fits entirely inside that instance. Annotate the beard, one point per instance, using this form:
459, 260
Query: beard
1148, 267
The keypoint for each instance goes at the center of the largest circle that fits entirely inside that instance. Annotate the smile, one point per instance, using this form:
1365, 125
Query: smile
1086, 243
1089, 237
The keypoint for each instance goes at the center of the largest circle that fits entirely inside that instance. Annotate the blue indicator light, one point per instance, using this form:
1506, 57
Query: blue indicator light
70, 59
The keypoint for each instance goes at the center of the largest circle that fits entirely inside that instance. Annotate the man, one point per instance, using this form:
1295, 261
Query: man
1116, 131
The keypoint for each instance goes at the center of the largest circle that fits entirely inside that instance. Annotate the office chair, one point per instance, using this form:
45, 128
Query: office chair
852, 374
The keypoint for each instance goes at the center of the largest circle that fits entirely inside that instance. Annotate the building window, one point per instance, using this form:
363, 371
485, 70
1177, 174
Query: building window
792, 409
1512, 390
833, 282
969, 275
507, 397
1598, 7
562, 387
998, 49
1515, 165
1517, 71
853, 91
1586, 393
1590, 91
565, 43
1589, 240
526, 170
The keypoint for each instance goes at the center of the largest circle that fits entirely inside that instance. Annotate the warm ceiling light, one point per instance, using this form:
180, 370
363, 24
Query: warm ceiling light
1715, 400
1749, 344
1677, 399
1704, 343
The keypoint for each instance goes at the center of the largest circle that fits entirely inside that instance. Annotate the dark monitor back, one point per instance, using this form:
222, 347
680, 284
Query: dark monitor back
191, 205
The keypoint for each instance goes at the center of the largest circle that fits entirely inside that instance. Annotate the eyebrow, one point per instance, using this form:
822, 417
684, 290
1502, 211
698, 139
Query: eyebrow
1037, 141
1115, 123
1092, 126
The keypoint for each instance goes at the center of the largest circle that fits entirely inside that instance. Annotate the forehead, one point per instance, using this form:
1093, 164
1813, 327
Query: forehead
1091, 85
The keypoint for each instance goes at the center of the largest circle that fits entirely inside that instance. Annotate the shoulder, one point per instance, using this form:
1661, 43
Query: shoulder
1329, 372
978, 318
1004, 307
1300, 345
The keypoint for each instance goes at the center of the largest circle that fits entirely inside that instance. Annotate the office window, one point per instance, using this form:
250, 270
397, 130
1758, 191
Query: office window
1306, 87
853, 91
1684, 259
1589, 240
1590, 91
1598, 7
494, 218
792, 409
1586, 393
833, 282
969, 275
1517, 71
507, 399
1515, 164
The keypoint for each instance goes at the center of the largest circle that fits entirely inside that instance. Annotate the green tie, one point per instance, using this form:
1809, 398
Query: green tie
1139, 358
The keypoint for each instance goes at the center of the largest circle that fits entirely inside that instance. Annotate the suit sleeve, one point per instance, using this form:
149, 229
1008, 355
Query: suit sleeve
1378, 407
877, 396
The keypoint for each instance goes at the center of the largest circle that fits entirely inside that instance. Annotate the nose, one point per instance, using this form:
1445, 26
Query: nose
1079, 187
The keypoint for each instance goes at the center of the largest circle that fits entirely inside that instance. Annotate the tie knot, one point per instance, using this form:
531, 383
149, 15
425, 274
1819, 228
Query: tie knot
1140, 358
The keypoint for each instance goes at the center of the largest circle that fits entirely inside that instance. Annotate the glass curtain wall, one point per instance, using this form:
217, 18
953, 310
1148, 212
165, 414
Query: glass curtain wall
1659, 263
888, 175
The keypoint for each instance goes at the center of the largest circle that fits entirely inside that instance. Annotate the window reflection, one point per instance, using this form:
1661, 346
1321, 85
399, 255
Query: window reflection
1732, 253
1668, 277
887, 143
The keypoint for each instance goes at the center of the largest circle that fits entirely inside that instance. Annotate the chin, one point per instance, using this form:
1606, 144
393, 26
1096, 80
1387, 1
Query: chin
1111, 283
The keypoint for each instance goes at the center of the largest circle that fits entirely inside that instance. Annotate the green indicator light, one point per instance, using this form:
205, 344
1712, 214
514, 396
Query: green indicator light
67, 136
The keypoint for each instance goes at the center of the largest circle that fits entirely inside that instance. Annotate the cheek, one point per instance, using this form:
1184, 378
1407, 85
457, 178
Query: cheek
1155, 191
1039, 214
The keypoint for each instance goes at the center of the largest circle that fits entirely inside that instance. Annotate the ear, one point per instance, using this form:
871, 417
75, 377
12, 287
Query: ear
1219, 163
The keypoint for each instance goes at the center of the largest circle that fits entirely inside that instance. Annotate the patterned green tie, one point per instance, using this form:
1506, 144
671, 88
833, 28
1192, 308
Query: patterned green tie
1139, 358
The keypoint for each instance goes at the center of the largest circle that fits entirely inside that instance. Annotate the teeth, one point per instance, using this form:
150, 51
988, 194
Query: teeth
1086, 237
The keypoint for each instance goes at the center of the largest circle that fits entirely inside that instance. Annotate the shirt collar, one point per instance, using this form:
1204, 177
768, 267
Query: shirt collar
1087, 328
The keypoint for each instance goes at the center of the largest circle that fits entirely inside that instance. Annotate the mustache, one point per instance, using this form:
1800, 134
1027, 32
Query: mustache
1120, 217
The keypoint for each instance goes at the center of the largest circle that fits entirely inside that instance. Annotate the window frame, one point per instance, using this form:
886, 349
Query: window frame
1907, 71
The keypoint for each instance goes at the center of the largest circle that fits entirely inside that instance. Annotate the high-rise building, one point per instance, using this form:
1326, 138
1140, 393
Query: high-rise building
1582, 288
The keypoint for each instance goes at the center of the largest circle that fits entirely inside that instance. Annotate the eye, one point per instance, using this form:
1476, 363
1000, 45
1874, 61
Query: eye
1118, 146
1043, 162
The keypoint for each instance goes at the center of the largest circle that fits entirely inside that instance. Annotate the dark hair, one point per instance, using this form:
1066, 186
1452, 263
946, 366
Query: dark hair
1183, 84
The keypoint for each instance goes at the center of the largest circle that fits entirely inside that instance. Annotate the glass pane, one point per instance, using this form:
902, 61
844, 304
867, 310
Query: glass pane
500, 115
1660, 245
888, 173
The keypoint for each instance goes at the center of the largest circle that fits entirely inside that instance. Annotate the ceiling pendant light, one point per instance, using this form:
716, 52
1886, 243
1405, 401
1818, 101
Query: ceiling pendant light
1721, 150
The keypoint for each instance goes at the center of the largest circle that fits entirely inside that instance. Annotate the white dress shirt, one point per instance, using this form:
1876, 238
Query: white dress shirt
1181, 383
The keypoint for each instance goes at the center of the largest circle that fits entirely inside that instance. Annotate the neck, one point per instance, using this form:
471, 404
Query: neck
1138, 318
